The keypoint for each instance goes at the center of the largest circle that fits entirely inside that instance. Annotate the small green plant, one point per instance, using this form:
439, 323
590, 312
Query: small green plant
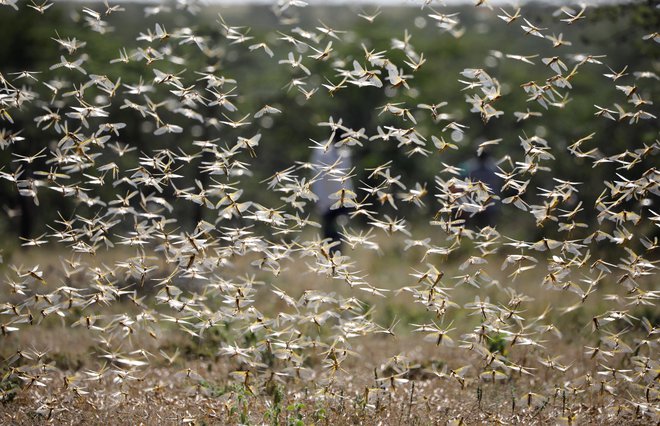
8, 389
319, 414
296, 418
497, 344
213, 389
272, 415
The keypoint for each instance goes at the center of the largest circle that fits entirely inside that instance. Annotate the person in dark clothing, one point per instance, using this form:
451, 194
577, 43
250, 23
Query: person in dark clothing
482, 168
330, 224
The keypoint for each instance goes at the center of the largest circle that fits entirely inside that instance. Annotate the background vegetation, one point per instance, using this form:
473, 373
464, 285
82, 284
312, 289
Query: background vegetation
260, 82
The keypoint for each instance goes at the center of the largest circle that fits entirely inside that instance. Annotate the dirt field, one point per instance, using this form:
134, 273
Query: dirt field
392, 377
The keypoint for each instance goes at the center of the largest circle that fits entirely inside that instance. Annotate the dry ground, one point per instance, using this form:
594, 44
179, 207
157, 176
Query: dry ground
388, 379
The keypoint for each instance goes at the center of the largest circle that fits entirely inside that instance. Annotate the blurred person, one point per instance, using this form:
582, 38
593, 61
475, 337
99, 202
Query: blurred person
327, 185
483, 168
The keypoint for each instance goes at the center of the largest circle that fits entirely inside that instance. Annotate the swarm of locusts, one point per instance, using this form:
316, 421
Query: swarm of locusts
137, 287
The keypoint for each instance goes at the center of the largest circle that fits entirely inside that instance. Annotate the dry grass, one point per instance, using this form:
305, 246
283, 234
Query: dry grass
198, 386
